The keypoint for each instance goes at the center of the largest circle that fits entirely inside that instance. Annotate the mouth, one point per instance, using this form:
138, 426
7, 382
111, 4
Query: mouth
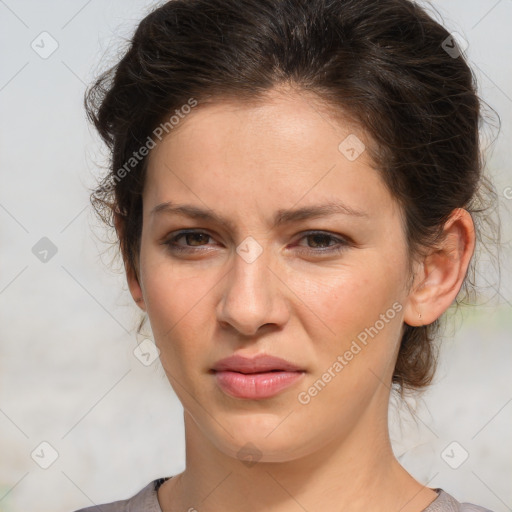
257, 364
255, 378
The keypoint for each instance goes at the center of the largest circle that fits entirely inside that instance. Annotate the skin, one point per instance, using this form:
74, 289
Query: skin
244, 162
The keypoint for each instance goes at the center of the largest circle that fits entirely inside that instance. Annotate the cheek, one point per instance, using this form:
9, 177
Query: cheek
346, 300
361, 307
355, 330
332, 305
175, 303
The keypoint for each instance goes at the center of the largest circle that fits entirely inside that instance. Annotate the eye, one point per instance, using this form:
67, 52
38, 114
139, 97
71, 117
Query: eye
322, 242
195, 238
321, 238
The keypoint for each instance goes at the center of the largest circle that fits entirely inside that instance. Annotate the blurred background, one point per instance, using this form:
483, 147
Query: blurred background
84, 417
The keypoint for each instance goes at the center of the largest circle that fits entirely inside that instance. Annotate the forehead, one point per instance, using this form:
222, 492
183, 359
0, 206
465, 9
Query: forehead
283, 119
282, 149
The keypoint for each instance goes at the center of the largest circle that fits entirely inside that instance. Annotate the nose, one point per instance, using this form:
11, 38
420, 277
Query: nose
254, 295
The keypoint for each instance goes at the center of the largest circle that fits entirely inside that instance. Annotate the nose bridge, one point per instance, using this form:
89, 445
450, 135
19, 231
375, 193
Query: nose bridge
251, 294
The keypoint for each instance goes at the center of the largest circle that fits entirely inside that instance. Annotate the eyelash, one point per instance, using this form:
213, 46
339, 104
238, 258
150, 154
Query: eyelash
342, 244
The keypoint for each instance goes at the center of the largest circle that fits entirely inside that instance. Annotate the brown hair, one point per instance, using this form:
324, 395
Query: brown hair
383, 63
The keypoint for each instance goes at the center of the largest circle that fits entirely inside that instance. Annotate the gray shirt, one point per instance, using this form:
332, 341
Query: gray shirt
146, 500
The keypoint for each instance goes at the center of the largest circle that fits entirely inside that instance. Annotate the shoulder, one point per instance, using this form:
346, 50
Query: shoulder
447, 503
146, 500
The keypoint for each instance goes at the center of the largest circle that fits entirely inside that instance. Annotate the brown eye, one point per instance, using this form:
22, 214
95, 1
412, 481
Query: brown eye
192, 239
195, 238
321, 239
322, 243
318, 242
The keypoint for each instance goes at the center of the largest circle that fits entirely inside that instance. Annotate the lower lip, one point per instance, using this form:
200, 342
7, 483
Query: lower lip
256, 385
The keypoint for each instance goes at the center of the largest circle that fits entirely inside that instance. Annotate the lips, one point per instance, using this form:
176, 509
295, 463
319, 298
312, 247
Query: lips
258, 364
259, 377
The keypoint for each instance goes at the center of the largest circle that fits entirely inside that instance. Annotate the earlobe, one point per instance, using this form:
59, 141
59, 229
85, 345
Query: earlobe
443, 271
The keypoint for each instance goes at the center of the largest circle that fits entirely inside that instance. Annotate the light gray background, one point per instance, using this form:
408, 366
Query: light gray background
68, 375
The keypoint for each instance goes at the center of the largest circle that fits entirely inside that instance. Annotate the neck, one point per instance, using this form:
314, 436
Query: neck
355, 474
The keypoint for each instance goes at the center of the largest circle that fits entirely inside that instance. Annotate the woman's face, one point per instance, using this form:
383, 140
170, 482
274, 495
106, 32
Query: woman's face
324, 292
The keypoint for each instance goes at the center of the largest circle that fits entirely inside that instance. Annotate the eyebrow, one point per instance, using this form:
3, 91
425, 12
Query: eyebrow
283, 216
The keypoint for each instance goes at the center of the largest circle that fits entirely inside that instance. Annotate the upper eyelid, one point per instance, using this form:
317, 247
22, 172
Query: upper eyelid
176, 234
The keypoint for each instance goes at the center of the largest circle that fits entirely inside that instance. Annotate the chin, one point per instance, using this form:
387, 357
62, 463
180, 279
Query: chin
260, 441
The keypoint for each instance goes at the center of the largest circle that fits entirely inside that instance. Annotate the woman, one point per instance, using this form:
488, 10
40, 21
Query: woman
294, 185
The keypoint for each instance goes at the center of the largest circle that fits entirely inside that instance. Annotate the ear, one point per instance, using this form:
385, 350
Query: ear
131, 276
442, 271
